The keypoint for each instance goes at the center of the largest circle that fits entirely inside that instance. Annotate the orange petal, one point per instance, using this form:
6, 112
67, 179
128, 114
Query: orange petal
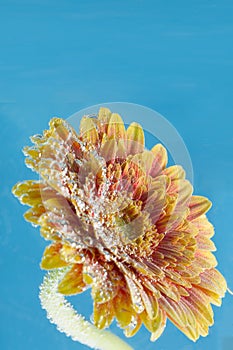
198, 205
73, 282
52, 258
59, 127
135, 139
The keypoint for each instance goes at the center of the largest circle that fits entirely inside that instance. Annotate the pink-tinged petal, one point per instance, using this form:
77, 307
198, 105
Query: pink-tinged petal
204, 227
198, 206
213, 281
205, 243
168, 289
205, 259
135, 139
175, 311
199, 303
182, 316
156, 200
177, 202
159, 161
175, 172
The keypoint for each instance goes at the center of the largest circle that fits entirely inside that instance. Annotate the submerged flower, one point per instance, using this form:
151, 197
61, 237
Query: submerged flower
123, 224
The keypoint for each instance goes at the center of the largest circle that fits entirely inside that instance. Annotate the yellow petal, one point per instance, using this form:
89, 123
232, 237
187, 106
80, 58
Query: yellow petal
104, 115
28, 192
52, 258
58, 126
123, 309
135, 139
103, 314
134, 326
33, 214
73, 282
198, 205
116, 128
88, 130
160, 322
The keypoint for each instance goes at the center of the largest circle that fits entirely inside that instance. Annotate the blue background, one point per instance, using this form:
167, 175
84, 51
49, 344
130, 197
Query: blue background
57, 57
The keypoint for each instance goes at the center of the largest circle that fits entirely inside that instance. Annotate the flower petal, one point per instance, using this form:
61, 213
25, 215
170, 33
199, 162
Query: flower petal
198, 205
213, 281
135, 139
160, 160
116, 128
103, 314
175, 172
88, 130
52, 257
73, 282
123, 308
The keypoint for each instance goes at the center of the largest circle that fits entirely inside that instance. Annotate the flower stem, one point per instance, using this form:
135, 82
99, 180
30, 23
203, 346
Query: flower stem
67, 320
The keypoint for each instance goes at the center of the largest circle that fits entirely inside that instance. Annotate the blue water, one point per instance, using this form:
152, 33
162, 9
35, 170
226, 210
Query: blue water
57, 57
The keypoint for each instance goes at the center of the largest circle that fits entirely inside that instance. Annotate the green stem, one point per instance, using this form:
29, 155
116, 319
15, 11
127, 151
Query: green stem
67, 320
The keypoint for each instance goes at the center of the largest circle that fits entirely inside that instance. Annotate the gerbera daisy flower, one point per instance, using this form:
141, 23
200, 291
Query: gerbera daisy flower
124, 225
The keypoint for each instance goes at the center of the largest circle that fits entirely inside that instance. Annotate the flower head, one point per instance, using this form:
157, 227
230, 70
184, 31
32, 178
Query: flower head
127, 226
